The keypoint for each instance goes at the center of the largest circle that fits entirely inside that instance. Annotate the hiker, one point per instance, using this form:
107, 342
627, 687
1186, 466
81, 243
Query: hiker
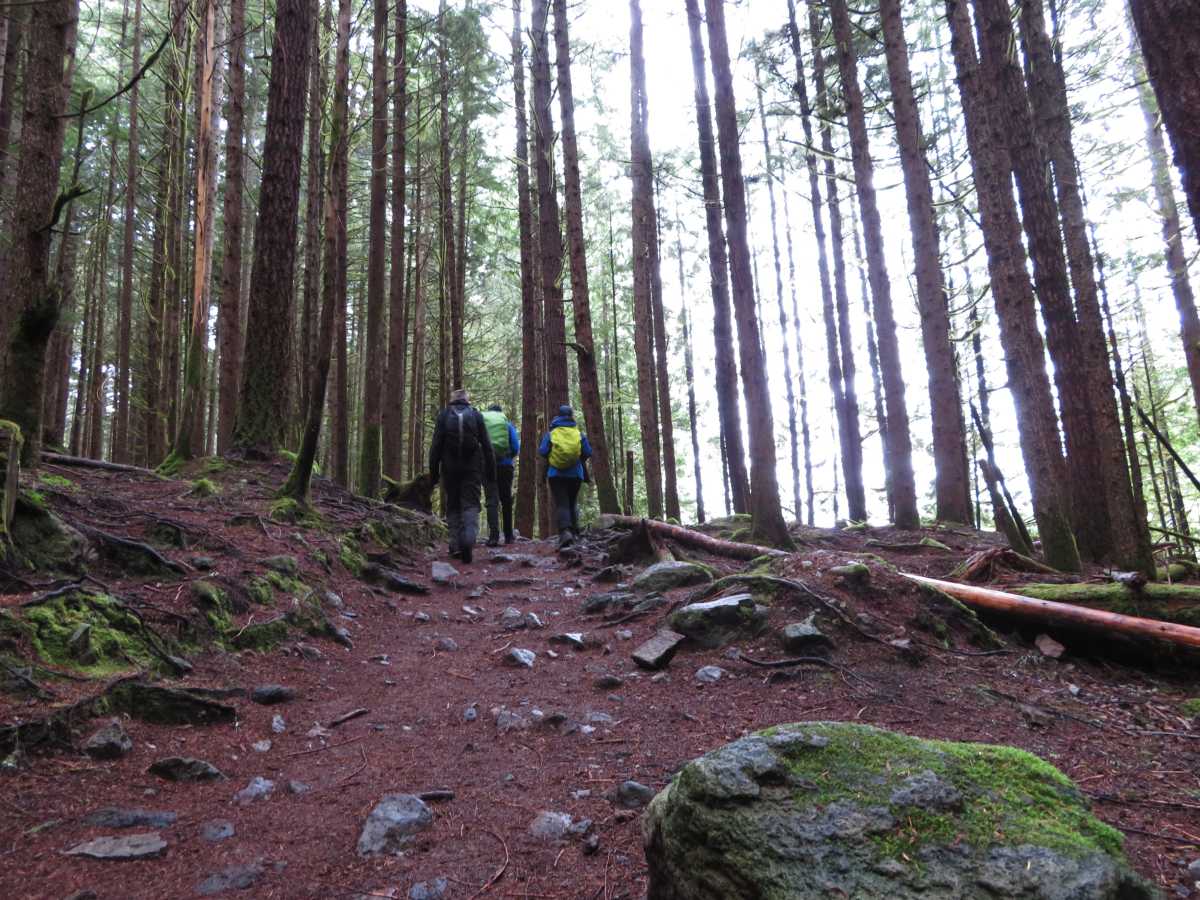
567, 450
505, 445
462, 455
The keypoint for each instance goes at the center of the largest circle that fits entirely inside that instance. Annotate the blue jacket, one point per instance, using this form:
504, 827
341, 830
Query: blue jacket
514, 447
575, 471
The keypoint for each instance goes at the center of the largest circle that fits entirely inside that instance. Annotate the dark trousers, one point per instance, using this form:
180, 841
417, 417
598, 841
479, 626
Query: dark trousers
565, 492
499, 496
462, 505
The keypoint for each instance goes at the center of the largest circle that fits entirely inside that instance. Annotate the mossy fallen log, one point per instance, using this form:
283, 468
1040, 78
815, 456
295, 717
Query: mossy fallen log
1112, 594
692, 538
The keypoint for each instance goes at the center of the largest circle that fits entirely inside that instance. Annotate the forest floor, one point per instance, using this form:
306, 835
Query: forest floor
1115, 727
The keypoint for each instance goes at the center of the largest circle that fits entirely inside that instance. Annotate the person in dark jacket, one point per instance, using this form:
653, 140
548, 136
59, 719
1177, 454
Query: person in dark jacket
462, 456
506, 445
566, 450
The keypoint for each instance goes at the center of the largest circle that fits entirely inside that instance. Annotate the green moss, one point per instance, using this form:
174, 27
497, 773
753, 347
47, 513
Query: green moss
762, 565
1010, 797
1190, 707
170, 466
212, 603
290, 456
35, 498
261, 591
288, 584
351, 555
91, 633
57, 481
213, 465
202, 487
260, 636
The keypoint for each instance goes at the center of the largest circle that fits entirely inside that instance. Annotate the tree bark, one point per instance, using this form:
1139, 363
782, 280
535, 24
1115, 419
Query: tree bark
262, 404
728, 403
314, 194
1012, 292
952, 486
767, 522
33, 295
1170, 43
898, 448
644, 234
585, 350
397, 351
691, 386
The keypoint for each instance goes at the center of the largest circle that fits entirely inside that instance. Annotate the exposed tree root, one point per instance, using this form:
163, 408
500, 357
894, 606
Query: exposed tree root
691, 538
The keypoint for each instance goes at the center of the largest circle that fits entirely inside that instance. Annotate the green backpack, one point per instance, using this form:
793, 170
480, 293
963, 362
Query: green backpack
566, 446
497, 429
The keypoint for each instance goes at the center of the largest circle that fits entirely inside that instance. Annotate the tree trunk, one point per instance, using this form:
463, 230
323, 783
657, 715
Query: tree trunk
952, 485
898, 448
1170, 43
644, 259
33, 295
333, 296
728, 404
447, 244
397, 358
801, 379
691, 386
842, 370
784, 330
767, 522
262, 405
1024, 351
229, 316
314, 194
666, 415
585, 350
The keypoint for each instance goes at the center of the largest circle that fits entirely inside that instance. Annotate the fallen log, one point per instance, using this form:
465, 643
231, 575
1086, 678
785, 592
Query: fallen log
1065, 613
692, 538
82, 462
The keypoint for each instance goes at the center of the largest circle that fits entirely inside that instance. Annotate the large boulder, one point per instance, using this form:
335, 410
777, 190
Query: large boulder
824, 809
714, 623
663, 576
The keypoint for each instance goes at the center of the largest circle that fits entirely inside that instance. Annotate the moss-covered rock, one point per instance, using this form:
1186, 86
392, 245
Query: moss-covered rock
663, 576
91, 633
43, 541
260, 635
350, 554
210, 601
715, 623
203, 487
823, 809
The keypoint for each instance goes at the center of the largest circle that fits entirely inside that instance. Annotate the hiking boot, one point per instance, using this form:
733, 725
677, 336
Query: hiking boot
466, 553
566, 539
493, 541
509, 538
455, 552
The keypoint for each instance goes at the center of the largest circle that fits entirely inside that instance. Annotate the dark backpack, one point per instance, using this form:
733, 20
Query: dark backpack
462, 438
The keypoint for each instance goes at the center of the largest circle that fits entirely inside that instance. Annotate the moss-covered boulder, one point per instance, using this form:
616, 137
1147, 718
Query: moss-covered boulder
45, 542
91, 633
715, 623
822, 809
664, 576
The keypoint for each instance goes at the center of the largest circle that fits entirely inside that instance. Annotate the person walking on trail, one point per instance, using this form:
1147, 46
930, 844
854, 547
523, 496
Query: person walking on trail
505, 445
566, 449
462, 456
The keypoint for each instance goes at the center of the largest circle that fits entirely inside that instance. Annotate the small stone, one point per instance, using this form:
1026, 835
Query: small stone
600, 718
296, 788
446, 644
582, 794
1049, 646
443, 573
470, 714
591, 844
533, 620
625, 635
134, 846
608, 682
709, 674
110, 742
437, 889
393, 823
437, 795
203, 563
259, 788
512, 619
217, 830
278, 725
550, 826
804, 638
1194, 868
574, 639
422, 617
309, 652
609, 575
1074, 689
520, 658
261, 746
118, 817
272, 694
507, 720
473, 612
234, 878
657, 652
332, 598
631, 795
184, 768
382, 658
606, 602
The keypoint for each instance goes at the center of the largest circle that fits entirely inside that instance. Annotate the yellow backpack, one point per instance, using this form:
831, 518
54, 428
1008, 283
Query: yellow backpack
566, 446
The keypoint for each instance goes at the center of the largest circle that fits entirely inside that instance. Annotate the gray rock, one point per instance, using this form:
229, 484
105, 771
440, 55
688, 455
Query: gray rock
533, 620
512, 619
574, 639
110, 742
550, 826
608, 682
819, 809
261, 746
278, 725
234, 878
631, 795
296, 788
217, 830
284, 565
120, 817
446, 644
663, 576
203, 563
609, 575
185, 768
134, 846
709, 674
805, 638
520, 658
392, 580
624, 634
609, 601
272, 694
443, 573
471, 713
422, 617
393, 823
436, 889
309, 652
507, 720
1194, 868
714, 623
600, 718
259, 788
657, 652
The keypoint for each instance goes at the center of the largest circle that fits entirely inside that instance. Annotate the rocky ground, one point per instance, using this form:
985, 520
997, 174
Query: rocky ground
489, 721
